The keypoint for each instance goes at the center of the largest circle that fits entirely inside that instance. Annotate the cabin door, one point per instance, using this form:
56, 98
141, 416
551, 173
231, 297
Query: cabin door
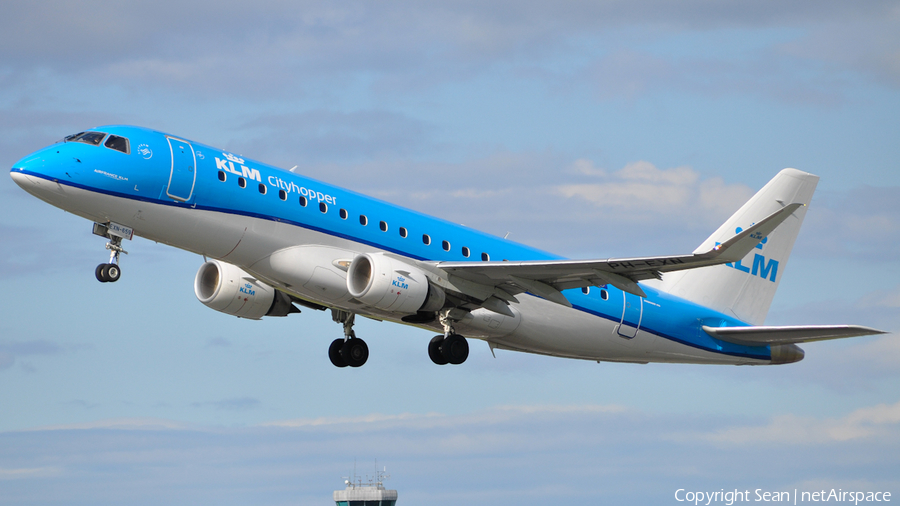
183, 175
632, 311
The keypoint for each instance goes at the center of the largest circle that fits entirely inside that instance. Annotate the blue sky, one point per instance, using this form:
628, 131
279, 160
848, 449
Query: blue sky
591, 129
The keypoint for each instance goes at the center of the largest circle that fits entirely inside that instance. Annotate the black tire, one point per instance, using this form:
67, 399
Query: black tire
355, 352
434, 350
455, 349
99, 273
334, 353
113, 272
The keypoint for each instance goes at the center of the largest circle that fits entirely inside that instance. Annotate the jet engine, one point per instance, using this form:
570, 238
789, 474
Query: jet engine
227, 288
390, 284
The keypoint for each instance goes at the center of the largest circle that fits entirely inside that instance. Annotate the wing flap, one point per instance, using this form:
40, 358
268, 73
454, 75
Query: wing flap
763, 335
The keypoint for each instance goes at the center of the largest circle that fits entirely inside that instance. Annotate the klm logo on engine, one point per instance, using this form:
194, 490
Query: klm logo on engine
228, 165
248, 289
400, 282
762, 267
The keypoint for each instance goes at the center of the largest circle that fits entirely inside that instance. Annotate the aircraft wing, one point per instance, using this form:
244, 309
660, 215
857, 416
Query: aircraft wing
548, 278
763, 335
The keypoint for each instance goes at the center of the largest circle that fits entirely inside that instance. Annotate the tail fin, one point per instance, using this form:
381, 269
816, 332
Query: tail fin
745, 289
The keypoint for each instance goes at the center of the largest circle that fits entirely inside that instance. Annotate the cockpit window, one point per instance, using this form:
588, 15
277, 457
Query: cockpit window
117, 143
92, 138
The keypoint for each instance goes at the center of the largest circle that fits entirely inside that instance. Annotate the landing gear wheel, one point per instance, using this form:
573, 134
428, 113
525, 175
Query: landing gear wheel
334, 353
455, 349
107, 273
355, 352
434, 350
112, 272
101, 277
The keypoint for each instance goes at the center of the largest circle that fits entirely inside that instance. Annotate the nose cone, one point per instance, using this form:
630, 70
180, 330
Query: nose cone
786, 353
26, 173
38, 173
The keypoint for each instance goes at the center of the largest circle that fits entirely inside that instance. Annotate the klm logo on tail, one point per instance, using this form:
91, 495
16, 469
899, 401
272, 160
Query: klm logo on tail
762, 267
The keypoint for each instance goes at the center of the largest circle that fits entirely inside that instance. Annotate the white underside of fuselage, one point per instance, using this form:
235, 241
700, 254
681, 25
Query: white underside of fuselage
539, 326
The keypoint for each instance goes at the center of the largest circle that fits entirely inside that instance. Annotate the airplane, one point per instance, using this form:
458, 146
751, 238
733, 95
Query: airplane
274, 239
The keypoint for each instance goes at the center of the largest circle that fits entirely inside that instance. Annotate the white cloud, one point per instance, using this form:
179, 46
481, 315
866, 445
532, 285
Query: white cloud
409, 45
25, 473
870, 422
642, 187
363, 420
144, 423
494, 416
586, 167
862, 223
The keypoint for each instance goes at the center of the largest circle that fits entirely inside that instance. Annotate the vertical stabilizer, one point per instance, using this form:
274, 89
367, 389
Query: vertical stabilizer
745, 289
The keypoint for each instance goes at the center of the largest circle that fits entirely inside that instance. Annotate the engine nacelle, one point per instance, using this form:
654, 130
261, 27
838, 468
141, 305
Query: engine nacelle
393, 285
231, 290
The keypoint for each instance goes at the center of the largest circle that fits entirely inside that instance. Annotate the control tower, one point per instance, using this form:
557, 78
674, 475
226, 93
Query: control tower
368, 493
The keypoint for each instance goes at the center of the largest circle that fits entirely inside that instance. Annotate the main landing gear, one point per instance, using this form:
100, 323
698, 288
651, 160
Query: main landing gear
450, 348
350, 350
109, 273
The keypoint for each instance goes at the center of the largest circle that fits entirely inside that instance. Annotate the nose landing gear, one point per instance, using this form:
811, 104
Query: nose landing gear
109, 273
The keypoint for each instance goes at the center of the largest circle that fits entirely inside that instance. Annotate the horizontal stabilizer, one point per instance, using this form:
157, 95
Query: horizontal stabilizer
763, 335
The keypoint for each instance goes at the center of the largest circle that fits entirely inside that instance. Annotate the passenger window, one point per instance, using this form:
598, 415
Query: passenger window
302, 201
221, 175
465, 251
604, 294
426, 239
282, 194
403, 232
445, 245
117, 143
262, 188
383, 226
343, 214
363, 220
485, 257
586, 290
242, 182
323, 207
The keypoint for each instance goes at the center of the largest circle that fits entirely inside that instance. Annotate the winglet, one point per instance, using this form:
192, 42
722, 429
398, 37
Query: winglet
737, 247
